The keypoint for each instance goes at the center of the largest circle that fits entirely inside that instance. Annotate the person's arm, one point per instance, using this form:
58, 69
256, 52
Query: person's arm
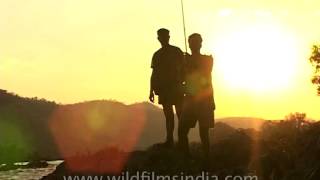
152, 79
206, 71
151, 93
182, 65
209, 64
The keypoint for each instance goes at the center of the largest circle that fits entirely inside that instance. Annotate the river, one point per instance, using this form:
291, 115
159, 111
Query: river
29, 174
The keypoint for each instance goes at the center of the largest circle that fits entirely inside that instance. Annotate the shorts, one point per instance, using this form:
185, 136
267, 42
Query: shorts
198, 110
171, 99
171, 96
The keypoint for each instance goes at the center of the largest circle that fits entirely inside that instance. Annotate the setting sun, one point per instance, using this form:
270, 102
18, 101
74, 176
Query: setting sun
257, 58
75, 51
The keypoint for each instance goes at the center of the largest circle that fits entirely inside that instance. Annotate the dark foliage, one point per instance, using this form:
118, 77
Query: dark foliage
284, 150
23, 128
315, 61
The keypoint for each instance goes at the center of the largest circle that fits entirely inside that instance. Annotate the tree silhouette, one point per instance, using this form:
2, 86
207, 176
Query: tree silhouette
315, 61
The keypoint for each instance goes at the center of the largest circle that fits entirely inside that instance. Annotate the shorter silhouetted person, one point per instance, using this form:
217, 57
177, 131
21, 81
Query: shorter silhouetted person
199, 103
166, 80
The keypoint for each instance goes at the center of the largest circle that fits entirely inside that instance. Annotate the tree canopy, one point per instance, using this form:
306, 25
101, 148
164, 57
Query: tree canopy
315, 61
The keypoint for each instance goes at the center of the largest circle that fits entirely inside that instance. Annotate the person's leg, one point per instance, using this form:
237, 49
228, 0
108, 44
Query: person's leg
178, 108
183, 131
179, 111
206, 120
169, 115
185, 118
204, 136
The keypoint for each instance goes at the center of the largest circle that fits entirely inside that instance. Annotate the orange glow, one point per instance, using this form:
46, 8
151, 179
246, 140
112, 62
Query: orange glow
95, 139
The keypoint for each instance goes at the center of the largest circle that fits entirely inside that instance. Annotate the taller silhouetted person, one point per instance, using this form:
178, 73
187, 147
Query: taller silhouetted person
199, 102
167, 81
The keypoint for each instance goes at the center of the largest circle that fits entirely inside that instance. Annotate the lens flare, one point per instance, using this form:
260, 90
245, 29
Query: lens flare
96, 137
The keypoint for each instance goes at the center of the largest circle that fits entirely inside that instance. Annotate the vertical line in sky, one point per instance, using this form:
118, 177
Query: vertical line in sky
184, 27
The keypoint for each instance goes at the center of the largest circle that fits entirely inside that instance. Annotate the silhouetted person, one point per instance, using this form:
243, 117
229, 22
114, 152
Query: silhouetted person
166, 80
199, 103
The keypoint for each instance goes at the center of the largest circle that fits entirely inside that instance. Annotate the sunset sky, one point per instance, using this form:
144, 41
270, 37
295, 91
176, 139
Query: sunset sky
75, 50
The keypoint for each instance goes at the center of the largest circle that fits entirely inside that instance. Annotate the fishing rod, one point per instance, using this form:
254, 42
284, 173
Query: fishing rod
184, 27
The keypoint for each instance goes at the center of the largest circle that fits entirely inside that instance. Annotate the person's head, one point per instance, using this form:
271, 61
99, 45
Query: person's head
163, 36
195, 42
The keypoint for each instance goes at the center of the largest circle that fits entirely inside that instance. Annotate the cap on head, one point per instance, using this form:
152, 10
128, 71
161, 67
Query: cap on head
163, 32
195, 37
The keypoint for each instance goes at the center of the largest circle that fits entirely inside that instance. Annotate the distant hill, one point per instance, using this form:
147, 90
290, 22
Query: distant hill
24, 128
37, 128
243, 122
